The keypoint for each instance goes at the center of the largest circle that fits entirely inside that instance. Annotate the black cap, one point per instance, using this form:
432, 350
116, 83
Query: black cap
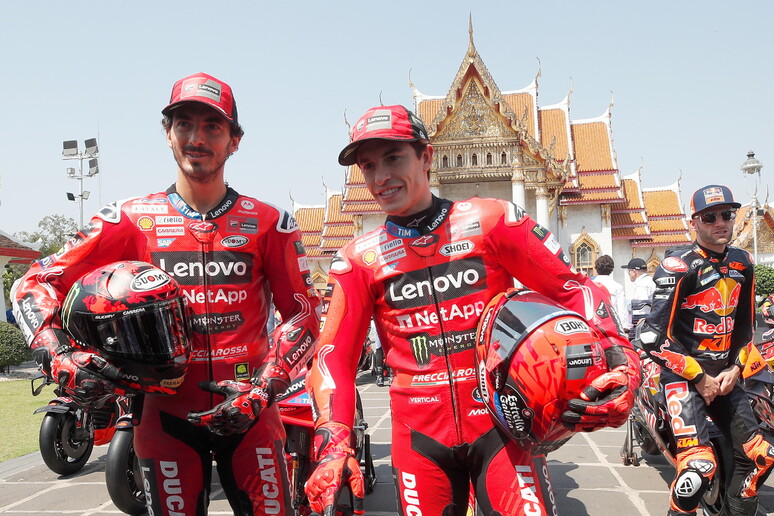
712, 195
637, 264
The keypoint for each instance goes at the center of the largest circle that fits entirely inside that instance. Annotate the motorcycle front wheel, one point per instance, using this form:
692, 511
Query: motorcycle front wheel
122, 474
64, 446
713, 503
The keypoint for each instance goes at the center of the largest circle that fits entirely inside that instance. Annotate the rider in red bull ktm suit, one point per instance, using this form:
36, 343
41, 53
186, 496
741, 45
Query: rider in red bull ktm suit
231, 262
425, 277
701, 322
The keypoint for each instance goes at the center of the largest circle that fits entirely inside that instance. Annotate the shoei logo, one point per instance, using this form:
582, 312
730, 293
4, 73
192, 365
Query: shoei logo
455, 248
435, 285
148, 280
219, 267
571, 326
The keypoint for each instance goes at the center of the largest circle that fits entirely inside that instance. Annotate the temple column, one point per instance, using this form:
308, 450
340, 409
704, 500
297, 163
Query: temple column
518, 189
541, 207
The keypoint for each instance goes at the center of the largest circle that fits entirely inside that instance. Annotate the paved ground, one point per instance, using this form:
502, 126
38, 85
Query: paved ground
587, 476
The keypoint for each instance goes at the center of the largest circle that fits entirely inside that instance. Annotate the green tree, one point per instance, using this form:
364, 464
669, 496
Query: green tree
13, 348
764, 281
53, 232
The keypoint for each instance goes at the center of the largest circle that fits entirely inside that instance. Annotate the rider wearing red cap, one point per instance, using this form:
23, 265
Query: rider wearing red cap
701, 322
232, 255
425, 276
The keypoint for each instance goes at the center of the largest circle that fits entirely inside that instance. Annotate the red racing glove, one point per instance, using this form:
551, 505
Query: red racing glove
336, 467
85, 376
244, 401
609, 398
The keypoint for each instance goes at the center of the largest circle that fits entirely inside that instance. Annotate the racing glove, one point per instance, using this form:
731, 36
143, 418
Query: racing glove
244, 400
336, 467
86, 376
609, 398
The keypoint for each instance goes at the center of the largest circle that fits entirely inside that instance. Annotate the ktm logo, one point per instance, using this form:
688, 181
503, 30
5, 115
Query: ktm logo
686, 442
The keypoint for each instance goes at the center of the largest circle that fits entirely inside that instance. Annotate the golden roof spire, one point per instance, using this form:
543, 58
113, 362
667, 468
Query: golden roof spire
471, 46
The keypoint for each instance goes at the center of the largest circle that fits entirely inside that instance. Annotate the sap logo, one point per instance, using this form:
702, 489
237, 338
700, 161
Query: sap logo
455, 248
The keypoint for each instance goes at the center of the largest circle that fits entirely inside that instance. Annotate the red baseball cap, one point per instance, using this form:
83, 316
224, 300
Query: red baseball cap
205, 89
383, 123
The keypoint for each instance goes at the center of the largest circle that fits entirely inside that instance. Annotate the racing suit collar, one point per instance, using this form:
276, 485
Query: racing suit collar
425, 221
707, 253
228, 202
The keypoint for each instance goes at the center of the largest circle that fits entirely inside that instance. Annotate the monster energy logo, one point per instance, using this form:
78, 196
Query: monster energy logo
425, 346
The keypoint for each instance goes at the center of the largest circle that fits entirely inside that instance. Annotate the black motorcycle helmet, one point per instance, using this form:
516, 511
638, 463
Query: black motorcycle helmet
134, 315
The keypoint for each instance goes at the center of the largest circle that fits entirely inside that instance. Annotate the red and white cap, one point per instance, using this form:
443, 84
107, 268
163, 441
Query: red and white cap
205, 89
383, 123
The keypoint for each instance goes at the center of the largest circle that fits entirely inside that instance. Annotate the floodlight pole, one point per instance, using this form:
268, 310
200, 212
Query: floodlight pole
70, 151
751, 167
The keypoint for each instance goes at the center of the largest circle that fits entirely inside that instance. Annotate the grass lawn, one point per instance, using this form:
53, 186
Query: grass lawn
18, 425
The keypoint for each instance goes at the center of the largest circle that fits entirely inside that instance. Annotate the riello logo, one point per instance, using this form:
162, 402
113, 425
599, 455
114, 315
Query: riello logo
216, 267
440, 283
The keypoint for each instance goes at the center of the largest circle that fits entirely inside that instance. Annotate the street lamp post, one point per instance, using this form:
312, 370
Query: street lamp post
91, 152
752, 169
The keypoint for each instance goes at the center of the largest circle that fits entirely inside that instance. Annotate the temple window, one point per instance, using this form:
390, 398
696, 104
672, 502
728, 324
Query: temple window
459, 160
474, 160
583, 253
488, 158
445, 161
503, 159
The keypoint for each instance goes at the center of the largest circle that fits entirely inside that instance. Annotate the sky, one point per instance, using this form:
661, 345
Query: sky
691, 82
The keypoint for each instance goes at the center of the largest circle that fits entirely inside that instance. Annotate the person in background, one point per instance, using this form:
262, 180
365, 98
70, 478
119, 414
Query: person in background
604, 266
698, 331
638, 303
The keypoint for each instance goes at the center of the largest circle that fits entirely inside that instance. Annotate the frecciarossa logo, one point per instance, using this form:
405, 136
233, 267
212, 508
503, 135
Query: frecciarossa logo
219, 267
440, 283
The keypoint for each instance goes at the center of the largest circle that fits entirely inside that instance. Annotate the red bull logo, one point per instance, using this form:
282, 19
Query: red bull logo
722, 298
673, 361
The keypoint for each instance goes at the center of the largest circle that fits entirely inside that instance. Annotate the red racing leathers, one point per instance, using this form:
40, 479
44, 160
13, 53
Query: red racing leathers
426, 284
231, 264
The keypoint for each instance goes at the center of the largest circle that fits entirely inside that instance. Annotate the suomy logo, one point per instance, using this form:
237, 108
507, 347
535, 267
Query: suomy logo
218, 267
437, 284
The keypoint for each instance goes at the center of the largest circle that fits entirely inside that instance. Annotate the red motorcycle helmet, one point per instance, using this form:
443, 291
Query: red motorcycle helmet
134, 315
533, 356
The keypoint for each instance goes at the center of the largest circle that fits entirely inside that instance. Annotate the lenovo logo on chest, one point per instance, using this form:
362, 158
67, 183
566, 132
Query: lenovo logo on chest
214, 268
440, 283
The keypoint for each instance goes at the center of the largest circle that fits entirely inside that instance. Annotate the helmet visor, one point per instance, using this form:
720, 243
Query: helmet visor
516, 319
154, 334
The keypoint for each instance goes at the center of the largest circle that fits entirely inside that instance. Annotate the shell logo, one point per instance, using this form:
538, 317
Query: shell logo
145, 223
369, 257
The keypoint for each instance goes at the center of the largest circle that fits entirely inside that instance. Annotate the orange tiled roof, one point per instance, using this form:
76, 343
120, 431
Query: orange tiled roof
427, 109
553, 131
667, 221
592, 146
521, 103
309, 218
347, 230
333, 211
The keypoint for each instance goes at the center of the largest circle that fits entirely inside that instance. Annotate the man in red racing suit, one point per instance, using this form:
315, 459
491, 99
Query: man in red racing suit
231, 262
425, 277
701, 321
